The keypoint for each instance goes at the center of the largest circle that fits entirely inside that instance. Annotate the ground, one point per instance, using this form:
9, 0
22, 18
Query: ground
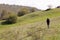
33, 27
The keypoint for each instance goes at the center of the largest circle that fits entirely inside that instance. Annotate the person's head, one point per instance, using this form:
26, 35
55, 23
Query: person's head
47, 18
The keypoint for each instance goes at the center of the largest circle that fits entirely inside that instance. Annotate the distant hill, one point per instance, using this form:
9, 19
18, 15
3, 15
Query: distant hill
13, 8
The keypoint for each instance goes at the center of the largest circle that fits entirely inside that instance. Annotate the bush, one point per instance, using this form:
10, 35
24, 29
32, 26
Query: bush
33, 9
47, 9
11, 19
23, 11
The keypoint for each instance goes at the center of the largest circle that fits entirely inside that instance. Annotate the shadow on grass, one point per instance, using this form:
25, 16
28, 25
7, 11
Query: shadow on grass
6, 23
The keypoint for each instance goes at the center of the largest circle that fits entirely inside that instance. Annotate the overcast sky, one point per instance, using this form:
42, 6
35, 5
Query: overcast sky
41, 4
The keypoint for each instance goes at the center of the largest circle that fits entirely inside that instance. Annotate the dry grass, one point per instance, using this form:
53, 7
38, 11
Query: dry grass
34, 31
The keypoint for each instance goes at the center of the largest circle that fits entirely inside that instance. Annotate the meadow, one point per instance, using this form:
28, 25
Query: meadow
33, 27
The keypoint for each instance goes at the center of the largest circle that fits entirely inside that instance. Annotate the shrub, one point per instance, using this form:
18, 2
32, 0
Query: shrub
23, 11
48, 9
33, 9
11, 19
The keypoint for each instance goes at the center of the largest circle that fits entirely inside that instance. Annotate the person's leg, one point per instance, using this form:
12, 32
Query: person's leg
48, 26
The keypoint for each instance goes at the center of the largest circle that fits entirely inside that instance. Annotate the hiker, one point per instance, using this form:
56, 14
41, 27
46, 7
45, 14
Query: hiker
48, 22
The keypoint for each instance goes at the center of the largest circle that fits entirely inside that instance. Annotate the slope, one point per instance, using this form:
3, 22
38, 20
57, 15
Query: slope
33, 27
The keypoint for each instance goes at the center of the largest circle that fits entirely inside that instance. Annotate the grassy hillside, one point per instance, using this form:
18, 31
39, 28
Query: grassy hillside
36, 17
33, 27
